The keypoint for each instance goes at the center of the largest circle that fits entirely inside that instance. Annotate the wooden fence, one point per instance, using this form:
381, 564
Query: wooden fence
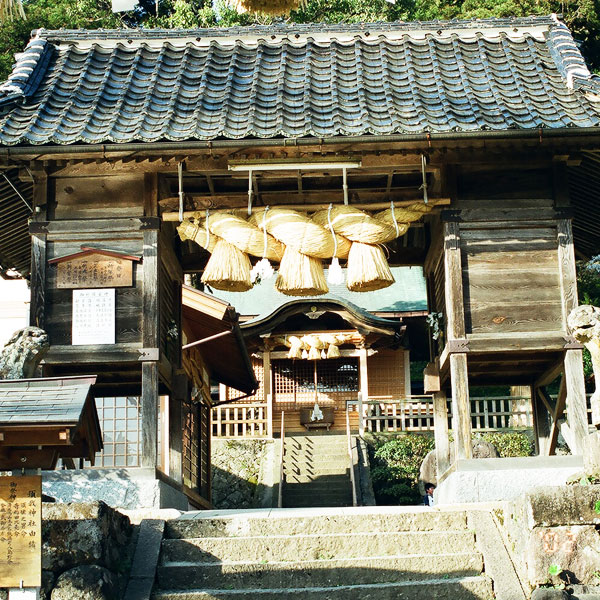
240, 420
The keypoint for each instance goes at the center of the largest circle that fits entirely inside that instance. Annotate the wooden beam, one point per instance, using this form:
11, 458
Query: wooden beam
576, 400
548, 376
560, 180
92, 226
173, 216
149, 410
461, 408
364, 372
440, 424
547, 341
100, 354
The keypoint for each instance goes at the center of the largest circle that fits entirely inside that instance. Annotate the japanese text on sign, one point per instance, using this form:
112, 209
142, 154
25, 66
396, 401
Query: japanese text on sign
20, 531
93, 317
94, 271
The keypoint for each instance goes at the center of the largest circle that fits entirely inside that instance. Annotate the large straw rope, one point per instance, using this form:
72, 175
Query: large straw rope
368, 269
300, 275
245, 236
196, 230
270, 7
355, 224
228, 268
403, 214
297, 231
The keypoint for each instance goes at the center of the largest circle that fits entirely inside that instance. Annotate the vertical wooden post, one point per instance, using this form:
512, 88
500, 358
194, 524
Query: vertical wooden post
364, 375
149, 414
407, 382
576, 401
150, 335
268, 394
178, 395
37, 312
440, 423
461, 413
455, 330
361, 416
541, 424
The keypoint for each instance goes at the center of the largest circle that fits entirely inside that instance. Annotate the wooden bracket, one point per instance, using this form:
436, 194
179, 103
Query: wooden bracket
571, 343
38, 227
149, 223
149, 354
455, 346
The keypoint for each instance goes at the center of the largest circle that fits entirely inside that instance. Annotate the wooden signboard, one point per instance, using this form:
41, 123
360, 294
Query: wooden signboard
20, 531
95, 271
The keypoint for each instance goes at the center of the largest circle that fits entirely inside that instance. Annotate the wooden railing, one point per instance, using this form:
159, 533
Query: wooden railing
281, 463
240, 420
351, 460
415, 413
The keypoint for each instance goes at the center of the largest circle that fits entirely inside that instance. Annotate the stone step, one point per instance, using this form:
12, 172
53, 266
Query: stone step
328, 479
315, 573
319, 495
312, 502
281, 521
315, 546
454, 588
324, 468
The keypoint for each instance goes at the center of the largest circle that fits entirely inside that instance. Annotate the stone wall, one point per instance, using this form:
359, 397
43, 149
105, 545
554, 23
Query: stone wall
553, 535
240, 472
86, 552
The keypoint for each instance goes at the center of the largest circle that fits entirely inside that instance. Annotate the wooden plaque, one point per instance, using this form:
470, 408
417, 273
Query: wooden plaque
94, 271
20, 531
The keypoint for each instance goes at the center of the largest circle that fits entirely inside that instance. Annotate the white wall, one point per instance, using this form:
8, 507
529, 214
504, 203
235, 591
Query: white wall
14, 307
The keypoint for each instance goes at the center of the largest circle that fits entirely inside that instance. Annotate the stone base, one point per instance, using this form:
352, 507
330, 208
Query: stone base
119, 488
497, 479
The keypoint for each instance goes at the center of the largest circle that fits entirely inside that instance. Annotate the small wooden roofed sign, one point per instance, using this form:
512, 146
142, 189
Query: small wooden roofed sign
94, 268
212, 326
42, 420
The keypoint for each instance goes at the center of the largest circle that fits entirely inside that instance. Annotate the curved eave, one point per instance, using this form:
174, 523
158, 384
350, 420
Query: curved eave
363, 321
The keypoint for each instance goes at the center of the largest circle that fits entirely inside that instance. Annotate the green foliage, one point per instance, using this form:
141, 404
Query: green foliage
509, 444
554, 570
588, 289
395, 468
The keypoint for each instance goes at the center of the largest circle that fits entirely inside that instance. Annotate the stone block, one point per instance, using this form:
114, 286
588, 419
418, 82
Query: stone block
565, 505
591, 453
87, 582
574, 549
83, 533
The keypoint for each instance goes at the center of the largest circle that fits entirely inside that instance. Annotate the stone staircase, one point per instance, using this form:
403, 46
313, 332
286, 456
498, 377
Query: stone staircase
317, 470
366, 553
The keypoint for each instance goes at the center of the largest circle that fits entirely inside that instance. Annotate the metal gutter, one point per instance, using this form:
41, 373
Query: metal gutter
541, 134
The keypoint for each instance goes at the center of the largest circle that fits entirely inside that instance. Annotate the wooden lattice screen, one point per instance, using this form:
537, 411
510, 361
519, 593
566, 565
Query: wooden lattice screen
387, 375
294, 382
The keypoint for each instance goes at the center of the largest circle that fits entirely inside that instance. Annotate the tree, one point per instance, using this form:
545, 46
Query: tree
10, 10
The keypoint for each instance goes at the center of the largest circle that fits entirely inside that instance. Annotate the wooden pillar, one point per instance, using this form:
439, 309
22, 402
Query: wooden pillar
440, 423
541, 422
150, 337
407, 382
364, 372
576, 401
149, 403
268, 393
455, 330
176, 399
37, 309
575, 383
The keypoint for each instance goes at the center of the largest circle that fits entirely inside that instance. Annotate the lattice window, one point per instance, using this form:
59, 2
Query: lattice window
120, 421
294, 382
191, 439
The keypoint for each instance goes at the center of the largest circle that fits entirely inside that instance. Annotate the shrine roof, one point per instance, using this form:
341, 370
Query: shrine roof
297, 81
48, 400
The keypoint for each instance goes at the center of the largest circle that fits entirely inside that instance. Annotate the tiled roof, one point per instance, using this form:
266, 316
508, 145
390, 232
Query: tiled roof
31, 401
297, 81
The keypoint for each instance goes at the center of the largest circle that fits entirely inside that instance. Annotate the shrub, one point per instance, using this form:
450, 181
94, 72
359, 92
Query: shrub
395, 468
509, 444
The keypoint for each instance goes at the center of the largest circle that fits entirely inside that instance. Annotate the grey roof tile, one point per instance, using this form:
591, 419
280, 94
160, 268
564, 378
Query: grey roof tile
296, 81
